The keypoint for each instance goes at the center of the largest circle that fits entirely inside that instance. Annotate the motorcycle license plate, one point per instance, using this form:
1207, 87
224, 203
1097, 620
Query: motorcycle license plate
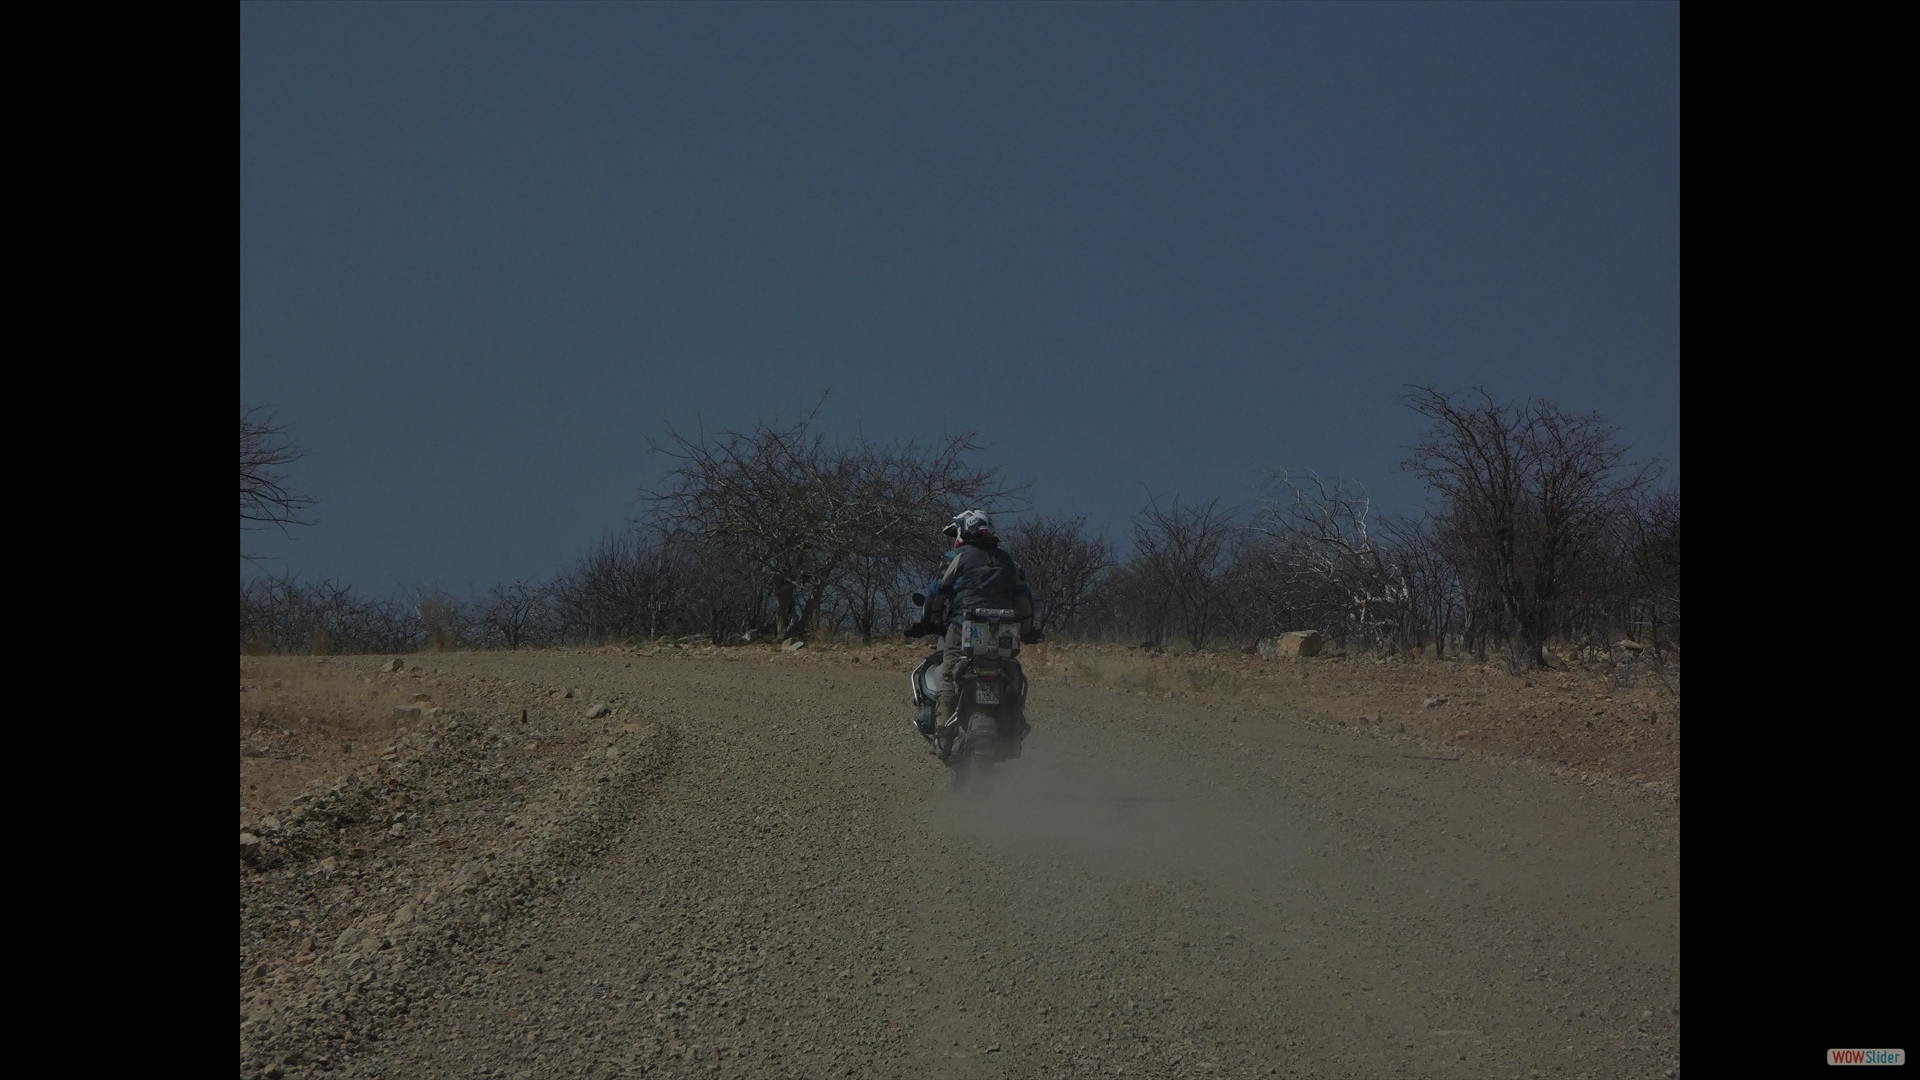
986, 694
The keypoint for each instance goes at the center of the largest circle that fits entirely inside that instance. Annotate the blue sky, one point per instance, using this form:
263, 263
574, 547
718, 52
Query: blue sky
486, 251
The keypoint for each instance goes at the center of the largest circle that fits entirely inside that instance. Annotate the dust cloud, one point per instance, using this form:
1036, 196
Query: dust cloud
1124, 816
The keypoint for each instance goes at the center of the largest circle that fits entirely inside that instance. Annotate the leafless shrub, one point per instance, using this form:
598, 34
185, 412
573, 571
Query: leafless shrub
722, 596
517, 615
1429, 581
627, 587
1326, 561
1328, 567
1182, 557
1652, 546
871, 590
1063, 564
1133, 605
280, 614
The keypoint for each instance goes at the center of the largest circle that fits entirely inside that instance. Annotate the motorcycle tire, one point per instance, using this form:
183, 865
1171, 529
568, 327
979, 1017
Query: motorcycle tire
983, 738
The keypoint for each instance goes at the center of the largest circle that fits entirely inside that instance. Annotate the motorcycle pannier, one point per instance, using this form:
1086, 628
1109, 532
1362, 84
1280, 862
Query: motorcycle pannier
990, 632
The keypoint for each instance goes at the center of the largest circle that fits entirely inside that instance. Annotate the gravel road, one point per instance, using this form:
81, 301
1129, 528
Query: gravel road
750, 866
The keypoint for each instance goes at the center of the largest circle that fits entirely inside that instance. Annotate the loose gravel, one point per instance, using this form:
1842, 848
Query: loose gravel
747, 865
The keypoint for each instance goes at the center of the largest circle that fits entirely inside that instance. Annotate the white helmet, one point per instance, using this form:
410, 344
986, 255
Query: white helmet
969, 524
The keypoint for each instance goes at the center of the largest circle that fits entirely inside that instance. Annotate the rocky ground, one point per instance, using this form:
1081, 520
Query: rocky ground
742, 862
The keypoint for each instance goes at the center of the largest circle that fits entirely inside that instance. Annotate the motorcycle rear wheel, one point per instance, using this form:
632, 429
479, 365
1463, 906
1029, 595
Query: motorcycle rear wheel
975, 751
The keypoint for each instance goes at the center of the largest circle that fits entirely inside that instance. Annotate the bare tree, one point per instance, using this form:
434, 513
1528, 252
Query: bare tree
1063, 564
870, 587
1186, 550
798, 509
628, 586
1651, 545
517, 614
1427, 579
279, 614
1327, 556
722, 594
265, 499
1528, 491
1133, 602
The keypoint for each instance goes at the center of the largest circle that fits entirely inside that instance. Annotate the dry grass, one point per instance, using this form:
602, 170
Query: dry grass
306, 721
1606, 716
1203, 676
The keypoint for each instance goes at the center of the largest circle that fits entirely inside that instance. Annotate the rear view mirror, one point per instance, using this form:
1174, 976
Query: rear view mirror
920, 599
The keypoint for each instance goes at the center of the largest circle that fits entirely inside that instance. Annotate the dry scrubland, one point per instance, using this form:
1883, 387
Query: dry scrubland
672, 861
1614, 719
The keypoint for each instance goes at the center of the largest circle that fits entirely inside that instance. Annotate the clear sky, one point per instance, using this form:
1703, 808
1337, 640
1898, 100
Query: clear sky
486, 250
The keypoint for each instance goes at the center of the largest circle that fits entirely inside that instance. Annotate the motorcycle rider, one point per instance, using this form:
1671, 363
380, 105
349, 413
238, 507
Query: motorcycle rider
977, 574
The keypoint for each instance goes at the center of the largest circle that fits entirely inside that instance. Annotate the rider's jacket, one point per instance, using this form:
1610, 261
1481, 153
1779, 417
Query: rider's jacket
978, 575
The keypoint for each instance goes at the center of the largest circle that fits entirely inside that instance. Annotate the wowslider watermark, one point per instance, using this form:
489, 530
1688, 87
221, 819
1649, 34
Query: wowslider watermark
1866, 1057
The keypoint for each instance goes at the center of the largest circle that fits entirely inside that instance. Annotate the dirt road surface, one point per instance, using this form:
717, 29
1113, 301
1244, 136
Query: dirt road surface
750, 866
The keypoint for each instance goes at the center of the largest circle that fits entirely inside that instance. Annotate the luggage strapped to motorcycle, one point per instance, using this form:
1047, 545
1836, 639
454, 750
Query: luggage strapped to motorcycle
990, 633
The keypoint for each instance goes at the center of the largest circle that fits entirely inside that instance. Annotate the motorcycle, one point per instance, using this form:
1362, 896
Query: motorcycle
990, 721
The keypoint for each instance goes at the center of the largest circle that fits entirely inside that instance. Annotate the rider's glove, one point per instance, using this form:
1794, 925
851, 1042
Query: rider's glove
922, 629
1031, 637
